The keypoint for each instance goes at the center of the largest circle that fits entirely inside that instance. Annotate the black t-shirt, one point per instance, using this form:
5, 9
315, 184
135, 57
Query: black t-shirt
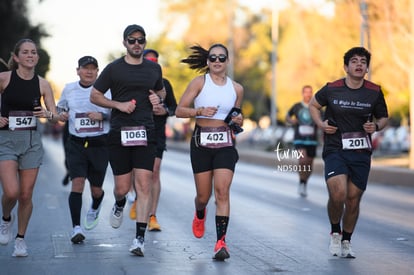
349, 109
128, 82
305, 129
171, 103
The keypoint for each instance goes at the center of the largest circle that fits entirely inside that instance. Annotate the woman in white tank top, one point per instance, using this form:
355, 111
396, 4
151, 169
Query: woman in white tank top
214, 100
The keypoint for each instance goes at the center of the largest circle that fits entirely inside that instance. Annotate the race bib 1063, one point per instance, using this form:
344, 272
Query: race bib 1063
134, 136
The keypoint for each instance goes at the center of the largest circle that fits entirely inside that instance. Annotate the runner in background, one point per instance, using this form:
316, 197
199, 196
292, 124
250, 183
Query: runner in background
305, 139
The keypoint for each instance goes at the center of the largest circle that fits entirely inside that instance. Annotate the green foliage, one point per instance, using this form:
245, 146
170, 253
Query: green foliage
15, 26
44, 60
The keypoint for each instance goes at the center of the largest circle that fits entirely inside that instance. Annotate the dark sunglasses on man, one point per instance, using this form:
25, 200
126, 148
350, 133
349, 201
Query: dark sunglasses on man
131, 41
221, 57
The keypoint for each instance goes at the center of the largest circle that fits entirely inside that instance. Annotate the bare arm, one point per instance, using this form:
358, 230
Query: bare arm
47, 93
4, 80
100, 99
290, 119
157, 101
184, 109
240, 94
371, 126
314, 110
382, 123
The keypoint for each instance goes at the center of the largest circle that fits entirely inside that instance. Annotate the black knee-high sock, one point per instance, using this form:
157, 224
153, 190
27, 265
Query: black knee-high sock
200, 213
140, 231
75, 205
346, 236
335, 228
221, 226
121, 203
97, 201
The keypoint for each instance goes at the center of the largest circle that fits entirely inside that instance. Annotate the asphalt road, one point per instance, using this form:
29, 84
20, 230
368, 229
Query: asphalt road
271, 231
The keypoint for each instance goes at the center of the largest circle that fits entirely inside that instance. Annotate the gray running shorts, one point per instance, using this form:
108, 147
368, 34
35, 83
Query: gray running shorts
25, 147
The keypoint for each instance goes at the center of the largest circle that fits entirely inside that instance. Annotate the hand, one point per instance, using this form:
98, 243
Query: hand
369, 127
154, 98
39, 111
127, 106
159, 110
293, 121
238, 119
63, 116
209, 111
3, 121
329, 129
95, 115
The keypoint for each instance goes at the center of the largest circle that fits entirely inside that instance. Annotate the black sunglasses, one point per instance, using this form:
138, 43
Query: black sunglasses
221, 57
141, 40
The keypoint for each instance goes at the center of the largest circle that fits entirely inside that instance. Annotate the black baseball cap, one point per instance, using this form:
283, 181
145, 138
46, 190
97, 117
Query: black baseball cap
83, 61
133, 28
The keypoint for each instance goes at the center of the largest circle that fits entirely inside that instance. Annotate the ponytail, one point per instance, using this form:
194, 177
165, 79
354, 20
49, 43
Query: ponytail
198, 59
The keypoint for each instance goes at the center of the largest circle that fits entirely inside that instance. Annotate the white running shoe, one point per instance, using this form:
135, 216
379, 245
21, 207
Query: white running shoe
6, 230
20, 248
302, 190
117, 214
137, 247
335, 244
131, 196
346, 250
77, 235
91, 219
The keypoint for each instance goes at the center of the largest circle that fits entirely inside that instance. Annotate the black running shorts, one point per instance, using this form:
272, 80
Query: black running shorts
355, 164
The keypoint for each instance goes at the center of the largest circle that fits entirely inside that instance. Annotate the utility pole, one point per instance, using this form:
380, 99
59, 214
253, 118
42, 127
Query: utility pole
363, 6
275, 38
232, 5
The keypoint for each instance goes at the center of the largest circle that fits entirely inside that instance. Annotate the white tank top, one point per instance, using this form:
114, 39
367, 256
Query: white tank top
212, 95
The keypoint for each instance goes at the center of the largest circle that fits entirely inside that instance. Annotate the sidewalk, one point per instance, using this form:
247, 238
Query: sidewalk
389, 171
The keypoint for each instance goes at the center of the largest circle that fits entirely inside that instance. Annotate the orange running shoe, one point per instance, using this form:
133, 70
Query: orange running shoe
153, 224
198, 225
220, 250
133, 210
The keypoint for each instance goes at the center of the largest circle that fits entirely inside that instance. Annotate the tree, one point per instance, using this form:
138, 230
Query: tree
15, 26
310, 47
247, 39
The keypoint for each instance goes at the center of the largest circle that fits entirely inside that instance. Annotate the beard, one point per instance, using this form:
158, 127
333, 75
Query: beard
134, 54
